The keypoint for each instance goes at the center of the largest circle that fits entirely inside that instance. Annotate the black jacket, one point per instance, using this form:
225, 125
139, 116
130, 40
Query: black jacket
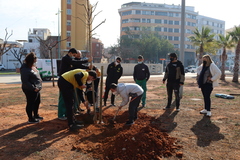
114, 72
175, 72
141, 72
30, 79
68, 64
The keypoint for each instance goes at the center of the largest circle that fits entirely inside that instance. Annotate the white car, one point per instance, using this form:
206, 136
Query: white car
192, 69
2, 67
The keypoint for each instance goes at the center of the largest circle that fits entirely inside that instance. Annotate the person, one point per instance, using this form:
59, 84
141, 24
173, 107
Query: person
89, 91
114, 72
141, 75
175, 76
67, 82
31, 86
208, 75
79, 93
67, 64
127, 90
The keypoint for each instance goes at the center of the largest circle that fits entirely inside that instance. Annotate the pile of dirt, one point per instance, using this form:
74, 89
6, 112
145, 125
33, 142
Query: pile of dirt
143, 140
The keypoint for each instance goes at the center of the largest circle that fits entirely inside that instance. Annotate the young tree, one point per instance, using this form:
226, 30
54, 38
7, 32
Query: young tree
50, 44
4, 47
226, 43
88, 21
201, 38
18, 53
236, 38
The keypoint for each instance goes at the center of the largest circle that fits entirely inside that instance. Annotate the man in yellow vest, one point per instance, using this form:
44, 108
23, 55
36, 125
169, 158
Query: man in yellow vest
67, 83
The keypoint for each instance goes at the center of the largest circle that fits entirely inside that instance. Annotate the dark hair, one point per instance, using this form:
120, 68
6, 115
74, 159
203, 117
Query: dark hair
113, 86
140, 57
92, 73
119, 58
172, 55
29, 60
72, 50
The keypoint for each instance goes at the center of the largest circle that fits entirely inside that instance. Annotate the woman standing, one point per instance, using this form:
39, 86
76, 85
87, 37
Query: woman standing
208, 75
31, 86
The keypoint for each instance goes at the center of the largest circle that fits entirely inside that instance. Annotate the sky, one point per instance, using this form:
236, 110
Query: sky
21, 15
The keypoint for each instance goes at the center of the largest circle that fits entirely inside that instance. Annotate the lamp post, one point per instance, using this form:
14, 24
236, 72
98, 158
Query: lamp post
182, 44
59, 44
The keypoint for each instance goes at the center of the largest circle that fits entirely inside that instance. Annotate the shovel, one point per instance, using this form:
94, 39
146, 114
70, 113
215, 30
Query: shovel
113, 120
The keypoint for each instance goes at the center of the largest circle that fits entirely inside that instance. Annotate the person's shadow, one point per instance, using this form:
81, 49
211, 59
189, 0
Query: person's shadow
167, 120
206, 132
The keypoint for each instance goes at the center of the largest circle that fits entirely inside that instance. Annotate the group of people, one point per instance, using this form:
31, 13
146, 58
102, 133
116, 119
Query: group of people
74, 78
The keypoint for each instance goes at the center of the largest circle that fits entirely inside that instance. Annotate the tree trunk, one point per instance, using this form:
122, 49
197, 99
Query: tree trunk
236, 63
200, 55
224, 57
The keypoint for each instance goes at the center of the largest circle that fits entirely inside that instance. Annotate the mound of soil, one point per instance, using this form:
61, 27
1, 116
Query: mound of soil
143, 140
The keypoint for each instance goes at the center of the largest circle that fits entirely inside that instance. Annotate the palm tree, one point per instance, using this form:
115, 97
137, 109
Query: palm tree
236, 38
226, 43
201, 39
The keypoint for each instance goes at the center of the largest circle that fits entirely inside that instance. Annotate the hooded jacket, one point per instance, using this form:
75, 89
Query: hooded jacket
30, 79
126, 90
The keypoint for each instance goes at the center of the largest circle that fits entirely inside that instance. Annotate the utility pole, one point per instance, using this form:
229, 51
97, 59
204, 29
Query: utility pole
182, 44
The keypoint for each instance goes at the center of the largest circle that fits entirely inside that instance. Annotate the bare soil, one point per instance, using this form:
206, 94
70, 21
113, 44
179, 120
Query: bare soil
157, 133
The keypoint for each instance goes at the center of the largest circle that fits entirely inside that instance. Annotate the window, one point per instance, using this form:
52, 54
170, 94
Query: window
69, 12
176, 30
158, 29
125, 21
126, 13
136, 20
170, 38
97, 45
138, 12
176, 45
170, 14
165, 29
165, 21
68, 44
161, 13
143, 20
170, 22
68, 33
170, 30
30, 40
158, 21
68, 23
176, 22
68, 1
148, 20
176, 38
125, 29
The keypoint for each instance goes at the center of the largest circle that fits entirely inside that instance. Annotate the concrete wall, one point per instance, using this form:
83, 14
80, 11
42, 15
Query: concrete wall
155, 69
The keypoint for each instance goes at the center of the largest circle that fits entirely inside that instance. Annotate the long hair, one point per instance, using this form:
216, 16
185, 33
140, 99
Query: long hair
30, 58
209, 60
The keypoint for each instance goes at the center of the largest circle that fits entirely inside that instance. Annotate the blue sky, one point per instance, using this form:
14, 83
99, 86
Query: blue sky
22, 15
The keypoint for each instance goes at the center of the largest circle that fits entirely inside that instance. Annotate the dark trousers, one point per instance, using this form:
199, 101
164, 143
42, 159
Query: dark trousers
133, 107
206, 92
33, 101
171, 86
67, 91
106, 94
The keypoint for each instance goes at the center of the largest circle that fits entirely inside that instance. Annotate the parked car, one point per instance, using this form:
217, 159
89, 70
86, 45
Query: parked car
2, 67
193, 69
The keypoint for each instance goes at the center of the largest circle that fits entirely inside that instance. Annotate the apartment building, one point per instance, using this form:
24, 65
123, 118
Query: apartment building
73, 25
165, 19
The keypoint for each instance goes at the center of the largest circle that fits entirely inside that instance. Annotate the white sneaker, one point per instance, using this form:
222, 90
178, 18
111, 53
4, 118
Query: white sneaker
209, 114
178, 109
204, 111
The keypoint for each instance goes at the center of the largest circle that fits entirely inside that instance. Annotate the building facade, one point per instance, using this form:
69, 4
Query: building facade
73, 25
97, 50
165, 19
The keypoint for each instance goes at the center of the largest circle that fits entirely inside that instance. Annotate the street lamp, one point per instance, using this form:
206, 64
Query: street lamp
59, 44
182, 44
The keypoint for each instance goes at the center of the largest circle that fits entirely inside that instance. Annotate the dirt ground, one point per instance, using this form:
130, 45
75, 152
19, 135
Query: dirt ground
157, 133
